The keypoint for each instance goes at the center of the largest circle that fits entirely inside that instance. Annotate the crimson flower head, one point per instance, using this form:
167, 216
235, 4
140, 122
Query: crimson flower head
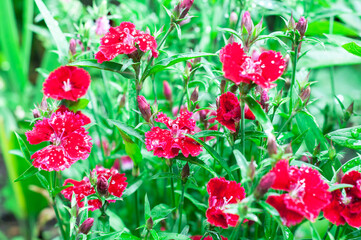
168, 142
124, 39
238, 67
229, 111
306, 193
83, 188
206, 238
67, 136
67, 82
222, 192
345, 206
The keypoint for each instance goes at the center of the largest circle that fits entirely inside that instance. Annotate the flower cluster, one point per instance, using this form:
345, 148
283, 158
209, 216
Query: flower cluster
114, 181
306, 193
124, 39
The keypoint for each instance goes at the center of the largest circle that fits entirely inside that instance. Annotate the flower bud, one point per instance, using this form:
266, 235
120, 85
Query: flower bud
144, 108
167, 90
185, 173
301, 26
194, 95
86, 226
36, 113
44, 105
288, 149
122, 101
247, 22
202, 115
291, 23
332, 152
251, 169
348, 112
185, 5
233, 18
72, 46
93, 177
102, 186
223, 86
102, 26
271, 145
305, 95
264, 185
230, 39
264, 100
234, 88
149, 223
339, 175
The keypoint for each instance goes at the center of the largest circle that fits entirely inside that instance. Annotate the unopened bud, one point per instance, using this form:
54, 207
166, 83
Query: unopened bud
288, 149
185, 173
247, 22
305, 95
185, 5
339, 175
44, 105
301, 26
230, 39
93, 177
233, 18
317, 150
72, 46
122, 101
144, 108
202, 115
167, 90
264, 100
349, 112
223, 86
234, 88
258, 29
102, 186
264, 185
251, 169
194, 95
291, 23
86, 226
332, 152
149, 224
271, 145
217, 103
36, 113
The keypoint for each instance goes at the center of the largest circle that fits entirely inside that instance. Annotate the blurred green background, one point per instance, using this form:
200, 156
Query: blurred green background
28, 54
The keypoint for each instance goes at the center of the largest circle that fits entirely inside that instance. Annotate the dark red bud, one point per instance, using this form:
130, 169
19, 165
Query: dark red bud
167, 90
247, 22
272, 145
305, 95
72, 46
144, 108
185, 5
223, 86
149, 223
194, 95
301, 26
185, 173
122, 101
288, 149
36, 113
265, 184
264, 100
86, 226
339, 175
251, 169
102, 186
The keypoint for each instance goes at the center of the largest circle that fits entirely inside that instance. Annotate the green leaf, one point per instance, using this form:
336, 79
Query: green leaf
103, 223
154, 234
43, 181
208, 133
347, 137
167, 62
314, 136
57, 190
339, 186
214, 155
113, 235
127, 129
352, 48
354, 162
24, 149
201, 206
241, 162
31, 171
131, 148
78, 105
147, 213
260, 115
167, 235
132, 188
55, 31
128, 236
323, 26
161, 211
198, 162
107, 66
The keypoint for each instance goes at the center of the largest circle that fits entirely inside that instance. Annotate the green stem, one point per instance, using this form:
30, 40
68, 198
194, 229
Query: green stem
172, 184
337, 231
181, 208
329, 229
293, 76
52, 182
204, 235
181, 101
285, 124
243, 127
136, 205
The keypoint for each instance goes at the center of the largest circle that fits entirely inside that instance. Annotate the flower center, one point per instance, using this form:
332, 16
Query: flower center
345, 199
298, 191
67, 85
250, 67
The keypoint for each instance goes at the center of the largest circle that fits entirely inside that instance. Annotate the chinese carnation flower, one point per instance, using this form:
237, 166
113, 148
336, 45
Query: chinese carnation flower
345, 206
206, 238
124, 39
168, 142
84, 188
306, 193
229, 111
238, 67
67, 82
222, 192
69, 140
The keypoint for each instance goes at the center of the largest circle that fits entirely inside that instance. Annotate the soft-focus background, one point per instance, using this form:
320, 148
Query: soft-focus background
28, 54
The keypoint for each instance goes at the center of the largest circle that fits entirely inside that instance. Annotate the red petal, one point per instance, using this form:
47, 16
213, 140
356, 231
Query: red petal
353, 219
77, 144
101, 58
51, 158
41, 132
82, 117
189, 146
160, 141
146, 42
248, 114
353, 178
282, 180
229, 111
333, 211
217, 217
272, 65
117, 184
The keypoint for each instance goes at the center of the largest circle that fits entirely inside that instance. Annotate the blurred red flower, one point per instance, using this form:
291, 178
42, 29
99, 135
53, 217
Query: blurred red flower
306, 193
345, 205
67, 82
168, 142
222, 192
238, 67
69, 140
124, 39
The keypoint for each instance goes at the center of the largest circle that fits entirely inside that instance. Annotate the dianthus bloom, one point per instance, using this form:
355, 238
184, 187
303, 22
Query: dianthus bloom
345, 206
306, 193
67, 82
84, 188
124, 39
238, 67
69, 140
222, 192
206, 238
229, 111
168, 142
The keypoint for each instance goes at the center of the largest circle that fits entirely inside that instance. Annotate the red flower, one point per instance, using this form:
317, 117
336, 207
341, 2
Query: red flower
84, 188
307, 193
229, 111
124, 39
167, 142
70, 142
82, 117
222, 192
238, 67
67, 82
206, 238
345, 205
